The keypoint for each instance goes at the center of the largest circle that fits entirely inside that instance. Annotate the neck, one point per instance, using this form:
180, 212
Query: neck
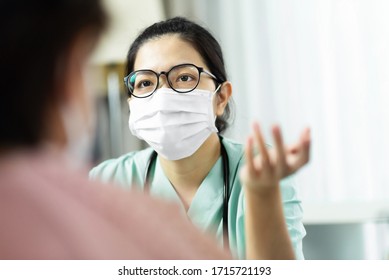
187, 174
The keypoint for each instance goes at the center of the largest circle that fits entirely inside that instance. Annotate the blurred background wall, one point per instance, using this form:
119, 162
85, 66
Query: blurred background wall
317, 63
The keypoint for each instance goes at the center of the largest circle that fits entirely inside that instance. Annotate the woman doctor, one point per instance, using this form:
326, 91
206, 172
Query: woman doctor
179, 104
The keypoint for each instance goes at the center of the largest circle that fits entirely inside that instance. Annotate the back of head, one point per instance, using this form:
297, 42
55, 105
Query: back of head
35, 37
200, 38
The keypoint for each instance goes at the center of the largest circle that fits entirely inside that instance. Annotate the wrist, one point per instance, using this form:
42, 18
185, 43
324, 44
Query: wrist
263, 191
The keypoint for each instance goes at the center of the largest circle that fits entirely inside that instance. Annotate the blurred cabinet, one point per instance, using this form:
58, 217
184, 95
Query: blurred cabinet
347, 231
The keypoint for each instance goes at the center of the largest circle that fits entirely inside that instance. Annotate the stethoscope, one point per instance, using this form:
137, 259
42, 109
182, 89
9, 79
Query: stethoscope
226, 189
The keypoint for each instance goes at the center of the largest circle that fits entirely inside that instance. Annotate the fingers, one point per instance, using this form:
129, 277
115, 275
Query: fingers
260, 142
305, 141
299, 153
306, 137
279, 146
249, 156
284, 161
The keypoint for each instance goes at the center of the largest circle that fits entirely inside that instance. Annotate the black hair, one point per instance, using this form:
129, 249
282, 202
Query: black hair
35, 36
200, 38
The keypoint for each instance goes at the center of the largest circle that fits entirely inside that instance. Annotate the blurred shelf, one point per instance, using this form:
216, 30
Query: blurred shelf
126, 19
345, 212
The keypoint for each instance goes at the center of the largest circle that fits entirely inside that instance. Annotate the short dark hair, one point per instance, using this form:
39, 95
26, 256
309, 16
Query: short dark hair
201, 39
35, 36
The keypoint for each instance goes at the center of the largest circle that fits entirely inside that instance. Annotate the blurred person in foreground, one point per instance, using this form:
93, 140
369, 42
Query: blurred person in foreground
48, 208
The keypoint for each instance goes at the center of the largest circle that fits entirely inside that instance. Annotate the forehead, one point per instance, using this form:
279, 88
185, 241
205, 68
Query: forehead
162, 53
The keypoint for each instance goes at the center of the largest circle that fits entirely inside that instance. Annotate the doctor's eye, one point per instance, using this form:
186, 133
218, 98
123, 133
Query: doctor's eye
144, 84
185, 81
185, 78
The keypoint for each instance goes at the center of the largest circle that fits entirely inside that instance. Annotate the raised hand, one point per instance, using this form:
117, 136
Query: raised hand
264, 170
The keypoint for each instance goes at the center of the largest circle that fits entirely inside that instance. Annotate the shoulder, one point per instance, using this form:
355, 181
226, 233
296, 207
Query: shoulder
133, 158
124, 168
106, 223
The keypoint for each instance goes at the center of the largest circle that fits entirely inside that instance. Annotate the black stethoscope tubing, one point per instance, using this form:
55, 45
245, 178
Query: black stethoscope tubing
226, 188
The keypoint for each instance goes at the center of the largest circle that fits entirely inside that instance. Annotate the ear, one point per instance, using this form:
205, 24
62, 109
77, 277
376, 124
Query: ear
222, 97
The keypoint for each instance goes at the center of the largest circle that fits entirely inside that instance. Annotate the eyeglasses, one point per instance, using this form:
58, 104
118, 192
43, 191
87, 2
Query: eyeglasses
181, 78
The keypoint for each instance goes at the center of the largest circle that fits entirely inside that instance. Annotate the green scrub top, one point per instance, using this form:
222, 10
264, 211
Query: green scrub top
206, 209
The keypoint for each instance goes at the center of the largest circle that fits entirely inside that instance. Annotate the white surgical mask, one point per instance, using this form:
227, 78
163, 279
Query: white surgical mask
174, 124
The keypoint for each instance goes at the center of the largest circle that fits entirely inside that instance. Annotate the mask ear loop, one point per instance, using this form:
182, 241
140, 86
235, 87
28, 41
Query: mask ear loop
217, 89
215, 92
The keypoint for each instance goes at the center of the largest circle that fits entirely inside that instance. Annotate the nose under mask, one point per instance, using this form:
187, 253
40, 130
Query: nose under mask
174, 124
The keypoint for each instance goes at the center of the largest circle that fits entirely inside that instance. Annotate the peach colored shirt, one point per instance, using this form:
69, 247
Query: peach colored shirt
49, 210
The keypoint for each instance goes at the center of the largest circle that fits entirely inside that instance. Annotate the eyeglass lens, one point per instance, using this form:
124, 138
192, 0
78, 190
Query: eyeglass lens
182, 78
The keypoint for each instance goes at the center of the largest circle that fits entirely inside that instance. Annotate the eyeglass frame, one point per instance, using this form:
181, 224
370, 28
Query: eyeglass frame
166, 73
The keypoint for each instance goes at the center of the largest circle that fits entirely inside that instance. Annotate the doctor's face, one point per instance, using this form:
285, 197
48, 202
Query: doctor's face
163, 53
